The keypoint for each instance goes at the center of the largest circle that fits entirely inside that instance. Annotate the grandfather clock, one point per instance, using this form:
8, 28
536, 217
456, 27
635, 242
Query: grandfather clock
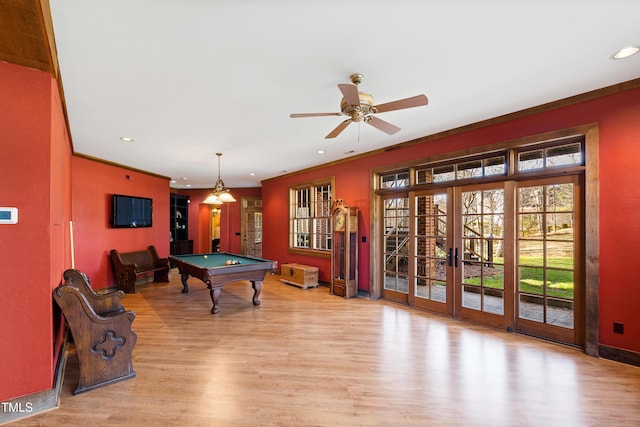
344, 253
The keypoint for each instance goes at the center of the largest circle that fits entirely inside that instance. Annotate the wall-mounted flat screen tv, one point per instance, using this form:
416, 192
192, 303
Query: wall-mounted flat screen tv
131, 212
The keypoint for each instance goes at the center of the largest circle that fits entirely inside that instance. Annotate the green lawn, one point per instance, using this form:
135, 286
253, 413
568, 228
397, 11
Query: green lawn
559, 282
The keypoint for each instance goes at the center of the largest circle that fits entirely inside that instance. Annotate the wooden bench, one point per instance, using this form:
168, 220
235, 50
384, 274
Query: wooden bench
102, 303
130, 266
104, 342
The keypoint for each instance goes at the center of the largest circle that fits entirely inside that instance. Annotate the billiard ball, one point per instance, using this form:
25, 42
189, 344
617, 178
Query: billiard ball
228, 262
205, 257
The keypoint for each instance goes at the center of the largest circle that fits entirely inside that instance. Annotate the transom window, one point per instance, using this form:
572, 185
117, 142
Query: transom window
565, 153
476, 168
550, 157
310, 217
395, 180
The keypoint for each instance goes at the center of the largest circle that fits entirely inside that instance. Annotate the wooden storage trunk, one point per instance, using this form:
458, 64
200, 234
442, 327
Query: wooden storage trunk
304, 276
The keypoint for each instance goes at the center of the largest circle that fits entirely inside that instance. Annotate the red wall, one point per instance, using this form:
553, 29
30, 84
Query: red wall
35, 174
94, 183
619, 119
619, 226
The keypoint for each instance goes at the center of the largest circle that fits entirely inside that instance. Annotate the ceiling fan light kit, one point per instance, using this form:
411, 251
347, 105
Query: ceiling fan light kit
360, 107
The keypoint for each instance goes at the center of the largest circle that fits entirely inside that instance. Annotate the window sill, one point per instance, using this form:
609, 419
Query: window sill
310, 252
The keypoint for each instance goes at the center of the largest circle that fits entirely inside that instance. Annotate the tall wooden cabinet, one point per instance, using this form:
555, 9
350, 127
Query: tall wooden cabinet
179, 242
344, 252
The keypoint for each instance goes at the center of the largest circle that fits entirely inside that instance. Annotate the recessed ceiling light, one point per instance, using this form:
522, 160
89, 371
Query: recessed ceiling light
252, 174
320, 151
626, 52
126, 139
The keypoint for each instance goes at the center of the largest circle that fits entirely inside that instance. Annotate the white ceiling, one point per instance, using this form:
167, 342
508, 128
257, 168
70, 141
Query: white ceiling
189, 78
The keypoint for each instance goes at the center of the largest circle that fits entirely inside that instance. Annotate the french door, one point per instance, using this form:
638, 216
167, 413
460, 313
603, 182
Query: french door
458, 253
396, 245
251, 227
505, 254
549, 259
482, 280
432, 252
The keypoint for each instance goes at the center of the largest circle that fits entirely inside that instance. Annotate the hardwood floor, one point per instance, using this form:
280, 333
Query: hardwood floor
307, 358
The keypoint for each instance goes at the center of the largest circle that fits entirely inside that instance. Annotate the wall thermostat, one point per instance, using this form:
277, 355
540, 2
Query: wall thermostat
8, 215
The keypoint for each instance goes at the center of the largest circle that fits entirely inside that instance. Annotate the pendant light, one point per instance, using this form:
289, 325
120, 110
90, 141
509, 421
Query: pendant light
220, 194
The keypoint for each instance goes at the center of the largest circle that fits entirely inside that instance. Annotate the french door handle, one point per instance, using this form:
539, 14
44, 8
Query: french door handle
456, 258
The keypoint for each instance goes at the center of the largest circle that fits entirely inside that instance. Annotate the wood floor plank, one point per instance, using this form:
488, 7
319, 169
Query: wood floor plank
308, 358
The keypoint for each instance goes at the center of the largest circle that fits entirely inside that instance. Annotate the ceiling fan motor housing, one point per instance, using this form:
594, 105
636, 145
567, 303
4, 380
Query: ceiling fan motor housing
358, 112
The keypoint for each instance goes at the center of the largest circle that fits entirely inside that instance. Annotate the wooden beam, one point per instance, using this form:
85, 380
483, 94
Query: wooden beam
26, 34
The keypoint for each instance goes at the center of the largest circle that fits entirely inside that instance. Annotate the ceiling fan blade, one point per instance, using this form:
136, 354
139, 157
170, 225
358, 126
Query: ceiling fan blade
350, 93
298, 115
342, 126
414, 101
385, 127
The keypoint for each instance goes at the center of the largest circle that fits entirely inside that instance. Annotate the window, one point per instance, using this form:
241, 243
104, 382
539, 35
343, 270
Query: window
554, 156
257, 226
458, 170
310, 217
394, 180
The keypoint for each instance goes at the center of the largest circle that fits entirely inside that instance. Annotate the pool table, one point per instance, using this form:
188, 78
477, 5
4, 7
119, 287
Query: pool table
213, 270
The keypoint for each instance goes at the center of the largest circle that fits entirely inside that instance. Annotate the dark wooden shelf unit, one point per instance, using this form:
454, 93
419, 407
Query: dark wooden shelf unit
179, 225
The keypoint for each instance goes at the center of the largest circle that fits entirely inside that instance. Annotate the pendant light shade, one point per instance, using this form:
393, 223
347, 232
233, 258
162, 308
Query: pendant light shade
212, 200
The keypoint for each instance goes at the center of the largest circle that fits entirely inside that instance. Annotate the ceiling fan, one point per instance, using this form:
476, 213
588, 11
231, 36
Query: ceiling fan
359, 107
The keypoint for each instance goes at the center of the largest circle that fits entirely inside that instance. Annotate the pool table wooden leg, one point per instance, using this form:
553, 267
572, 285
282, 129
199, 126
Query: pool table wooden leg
257, 289
215, 297
185, 287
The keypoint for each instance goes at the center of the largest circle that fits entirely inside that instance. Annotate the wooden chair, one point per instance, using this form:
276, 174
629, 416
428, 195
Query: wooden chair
104, 342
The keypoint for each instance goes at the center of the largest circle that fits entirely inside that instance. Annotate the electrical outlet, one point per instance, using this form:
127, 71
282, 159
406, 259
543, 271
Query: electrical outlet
618, 327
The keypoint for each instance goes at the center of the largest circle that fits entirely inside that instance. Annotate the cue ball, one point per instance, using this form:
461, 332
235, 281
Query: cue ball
205, 257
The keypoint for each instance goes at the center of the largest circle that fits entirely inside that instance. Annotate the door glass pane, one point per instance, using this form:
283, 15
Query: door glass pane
531, 251
531, 280
471, 297
560, 312
473, 226
559, 283
531, 308
546, 254
396, 244
431, 248
483, 250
